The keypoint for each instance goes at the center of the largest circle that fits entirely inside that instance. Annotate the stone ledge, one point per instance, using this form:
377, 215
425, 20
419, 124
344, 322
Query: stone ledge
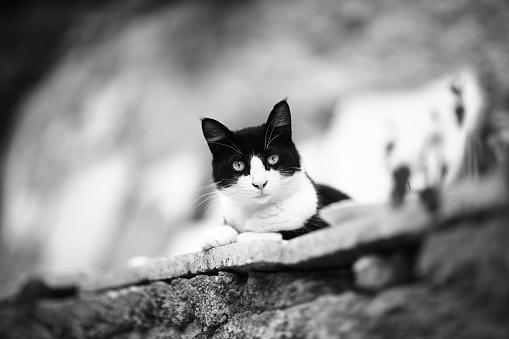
356, 229
305, 287
360, 229
256, 305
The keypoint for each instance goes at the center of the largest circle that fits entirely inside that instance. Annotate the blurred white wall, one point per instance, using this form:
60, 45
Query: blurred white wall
420, 122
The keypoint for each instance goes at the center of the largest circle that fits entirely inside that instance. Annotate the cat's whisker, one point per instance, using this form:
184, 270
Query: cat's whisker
217, 200
212, 185
265, 137
273, 128
236, 147
210, 206
287, 172
203, 195
211, 196
219, 143
271, 140
192, 206
286, 169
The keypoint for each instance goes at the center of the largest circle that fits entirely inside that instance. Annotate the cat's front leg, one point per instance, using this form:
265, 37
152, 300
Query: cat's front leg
220, 236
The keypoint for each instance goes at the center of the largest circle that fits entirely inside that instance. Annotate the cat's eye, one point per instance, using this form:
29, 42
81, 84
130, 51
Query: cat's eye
273, 159
238, 165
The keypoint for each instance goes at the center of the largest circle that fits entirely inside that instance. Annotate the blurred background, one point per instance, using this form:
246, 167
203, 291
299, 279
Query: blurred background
101, 150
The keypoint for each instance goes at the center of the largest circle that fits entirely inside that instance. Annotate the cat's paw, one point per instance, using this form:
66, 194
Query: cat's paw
250, 236
220, 236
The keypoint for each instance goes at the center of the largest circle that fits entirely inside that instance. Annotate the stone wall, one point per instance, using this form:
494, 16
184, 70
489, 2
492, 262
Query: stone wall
378, 272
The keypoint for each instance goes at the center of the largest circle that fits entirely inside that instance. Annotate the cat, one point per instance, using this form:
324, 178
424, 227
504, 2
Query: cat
262, 186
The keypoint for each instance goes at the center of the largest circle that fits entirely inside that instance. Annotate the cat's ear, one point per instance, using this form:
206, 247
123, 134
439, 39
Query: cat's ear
214, 131
280, 119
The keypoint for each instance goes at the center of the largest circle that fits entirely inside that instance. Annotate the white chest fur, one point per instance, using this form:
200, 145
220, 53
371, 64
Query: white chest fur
288, 203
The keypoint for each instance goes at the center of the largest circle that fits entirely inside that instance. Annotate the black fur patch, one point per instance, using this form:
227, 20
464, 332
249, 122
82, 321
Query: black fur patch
326, 196
272, 137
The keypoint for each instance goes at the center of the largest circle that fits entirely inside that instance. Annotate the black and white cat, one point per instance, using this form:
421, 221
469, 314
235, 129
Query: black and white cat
261, 184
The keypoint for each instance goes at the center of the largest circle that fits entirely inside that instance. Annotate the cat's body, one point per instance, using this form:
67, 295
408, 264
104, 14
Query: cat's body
261, 183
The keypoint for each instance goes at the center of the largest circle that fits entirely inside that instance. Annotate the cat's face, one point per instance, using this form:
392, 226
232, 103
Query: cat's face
256, 164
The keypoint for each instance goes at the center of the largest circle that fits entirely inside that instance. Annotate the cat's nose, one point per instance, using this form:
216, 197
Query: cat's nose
260, 184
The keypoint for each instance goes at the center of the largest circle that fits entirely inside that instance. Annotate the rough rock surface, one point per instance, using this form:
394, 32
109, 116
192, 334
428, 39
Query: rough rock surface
456, 289
255, 305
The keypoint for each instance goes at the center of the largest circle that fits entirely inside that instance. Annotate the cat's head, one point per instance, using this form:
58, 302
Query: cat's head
255, 163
